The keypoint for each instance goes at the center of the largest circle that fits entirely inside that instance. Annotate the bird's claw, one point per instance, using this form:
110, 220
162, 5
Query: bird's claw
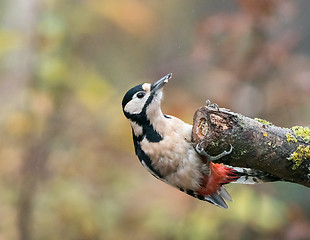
202, 152
212, 105
215, 106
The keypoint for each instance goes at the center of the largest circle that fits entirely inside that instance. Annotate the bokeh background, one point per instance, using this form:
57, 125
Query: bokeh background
67, 164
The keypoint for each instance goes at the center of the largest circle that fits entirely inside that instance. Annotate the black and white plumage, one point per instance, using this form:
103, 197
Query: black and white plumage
164, 146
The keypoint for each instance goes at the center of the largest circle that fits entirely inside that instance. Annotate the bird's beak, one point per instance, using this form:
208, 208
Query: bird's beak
160, 83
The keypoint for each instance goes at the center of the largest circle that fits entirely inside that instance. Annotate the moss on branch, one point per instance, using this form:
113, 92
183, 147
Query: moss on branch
258, 144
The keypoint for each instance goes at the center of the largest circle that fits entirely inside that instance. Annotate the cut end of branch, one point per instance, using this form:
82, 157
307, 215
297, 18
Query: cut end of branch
258, 144
202, 128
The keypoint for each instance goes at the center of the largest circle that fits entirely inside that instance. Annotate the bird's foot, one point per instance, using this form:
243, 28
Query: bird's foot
202, 152
215, 106
212, 105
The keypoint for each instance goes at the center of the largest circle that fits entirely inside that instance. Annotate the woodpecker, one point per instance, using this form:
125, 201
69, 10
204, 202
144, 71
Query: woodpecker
164, 146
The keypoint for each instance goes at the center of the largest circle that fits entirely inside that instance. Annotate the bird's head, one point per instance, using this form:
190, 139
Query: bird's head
142, 101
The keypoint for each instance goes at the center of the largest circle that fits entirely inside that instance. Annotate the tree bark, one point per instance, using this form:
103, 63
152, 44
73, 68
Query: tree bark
257, 144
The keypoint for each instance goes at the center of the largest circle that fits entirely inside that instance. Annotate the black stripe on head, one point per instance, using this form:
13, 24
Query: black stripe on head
147, 103
128, 96
140, 118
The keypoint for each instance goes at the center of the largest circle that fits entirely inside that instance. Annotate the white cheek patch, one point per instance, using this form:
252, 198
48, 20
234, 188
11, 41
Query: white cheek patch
146, 87
134, 106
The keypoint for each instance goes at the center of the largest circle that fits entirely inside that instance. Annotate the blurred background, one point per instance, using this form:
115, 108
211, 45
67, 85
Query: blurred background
67, 163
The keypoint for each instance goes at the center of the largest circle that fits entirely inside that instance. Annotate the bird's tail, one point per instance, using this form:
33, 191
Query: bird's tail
218, 195
251, 176
212, 189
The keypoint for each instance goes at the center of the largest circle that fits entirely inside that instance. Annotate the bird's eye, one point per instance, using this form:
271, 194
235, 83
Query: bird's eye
140, 94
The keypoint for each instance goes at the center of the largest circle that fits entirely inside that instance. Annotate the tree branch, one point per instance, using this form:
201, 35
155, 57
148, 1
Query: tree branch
257, 144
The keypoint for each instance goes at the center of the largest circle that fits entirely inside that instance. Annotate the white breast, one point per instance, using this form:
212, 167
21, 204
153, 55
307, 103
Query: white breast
175, 156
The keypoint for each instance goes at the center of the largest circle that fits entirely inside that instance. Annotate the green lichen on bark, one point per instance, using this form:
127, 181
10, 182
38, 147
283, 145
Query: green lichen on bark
299, 155
263, 121
290, 138
302, 132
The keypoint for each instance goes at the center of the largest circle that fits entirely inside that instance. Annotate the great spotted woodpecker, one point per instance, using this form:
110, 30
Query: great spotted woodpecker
164, 146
